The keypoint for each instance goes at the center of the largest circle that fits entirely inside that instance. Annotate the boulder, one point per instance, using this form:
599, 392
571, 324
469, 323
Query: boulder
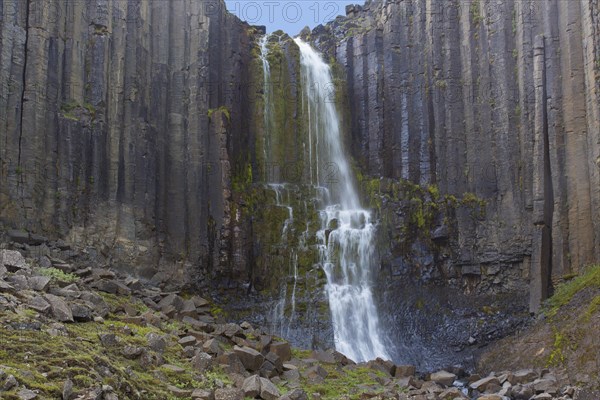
482, 384
44, 262
229, 330
212, 347
60, 308
229, 394
315, 372
323, 356
275, 360
178, 392
523, 376
443, 378
197, 325
26, 394
171, 301
291, 375
5, 287
542, 396
39, 283
188, 308
132, 352
10, 383
67, 391
12, 260
452, 394
268, 391
202, 394
405, 371
250, 358
156, 342
19, 282
39, 304
108, 339
199, 301
268, 370
282, 349
18, 236
81, 312
187, 341
522, 392
545, 385
385, 366
112, 287
231, 363
251, 386
202, 361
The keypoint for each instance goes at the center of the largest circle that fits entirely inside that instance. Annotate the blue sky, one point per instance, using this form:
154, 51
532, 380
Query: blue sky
290, 16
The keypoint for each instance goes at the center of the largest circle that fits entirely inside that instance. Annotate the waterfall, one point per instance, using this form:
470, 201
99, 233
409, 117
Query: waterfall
347, 231
268, 106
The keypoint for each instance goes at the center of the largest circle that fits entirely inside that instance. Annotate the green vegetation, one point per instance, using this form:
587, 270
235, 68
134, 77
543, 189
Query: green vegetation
58, 275
566, 291
79, 355
222, 109
475, 11
557, 356
68, 110
348, 382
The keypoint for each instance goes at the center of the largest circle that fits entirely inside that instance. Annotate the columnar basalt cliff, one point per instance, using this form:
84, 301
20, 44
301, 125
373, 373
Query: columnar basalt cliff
496, 100
119, 122
139, 127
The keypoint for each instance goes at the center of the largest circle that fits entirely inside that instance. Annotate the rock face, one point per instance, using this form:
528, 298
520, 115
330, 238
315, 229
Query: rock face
118, 123
138, 127
496, 99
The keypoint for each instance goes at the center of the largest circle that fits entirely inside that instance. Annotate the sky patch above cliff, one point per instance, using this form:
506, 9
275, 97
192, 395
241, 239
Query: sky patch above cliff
289, 16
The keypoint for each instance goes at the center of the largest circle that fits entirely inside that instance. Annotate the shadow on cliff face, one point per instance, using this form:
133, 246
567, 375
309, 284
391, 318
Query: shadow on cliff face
429, 326
434, 327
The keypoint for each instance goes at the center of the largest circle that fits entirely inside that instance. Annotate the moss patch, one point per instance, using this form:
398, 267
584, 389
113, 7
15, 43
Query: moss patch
43, 362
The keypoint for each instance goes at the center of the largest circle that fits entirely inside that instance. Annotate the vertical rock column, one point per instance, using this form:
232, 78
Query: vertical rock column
541, 259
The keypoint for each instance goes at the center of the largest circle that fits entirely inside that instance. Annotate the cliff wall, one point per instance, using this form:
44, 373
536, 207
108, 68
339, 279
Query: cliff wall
139, 126
496, 100
120, 122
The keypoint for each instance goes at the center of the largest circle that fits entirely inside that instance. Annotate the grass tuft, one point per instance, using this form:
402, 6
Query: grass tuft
566, 291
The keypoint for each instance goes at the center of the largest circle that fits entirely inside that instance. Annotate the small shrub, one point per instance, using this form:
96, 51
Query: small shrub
58, 275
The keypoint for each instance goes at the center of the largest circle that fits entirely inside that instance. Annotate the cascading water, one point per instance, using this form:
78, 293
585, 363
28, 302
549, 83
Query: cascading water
268, 99
280, 323
346, 234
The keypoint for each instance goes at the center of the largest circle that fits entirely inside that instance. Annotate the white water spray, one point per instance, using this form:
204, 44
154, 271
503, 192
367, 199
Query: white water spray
347, 231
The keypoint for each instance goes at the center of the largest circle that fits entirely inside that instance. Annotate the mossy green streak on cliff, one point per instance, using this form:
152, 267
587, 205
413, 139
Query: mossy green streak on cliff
423, 207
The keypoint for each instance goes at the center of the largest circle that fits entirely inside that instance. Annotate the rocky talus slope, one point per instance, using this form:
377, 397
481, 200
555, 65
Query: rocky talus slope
72, 331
